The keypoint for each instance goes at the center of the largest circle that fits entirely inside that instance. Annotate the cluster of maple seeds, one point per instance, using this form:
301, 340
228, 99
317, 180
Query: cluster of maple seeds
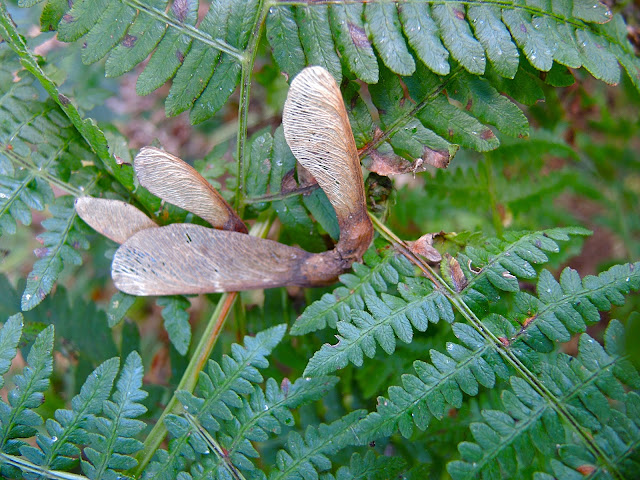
186, 258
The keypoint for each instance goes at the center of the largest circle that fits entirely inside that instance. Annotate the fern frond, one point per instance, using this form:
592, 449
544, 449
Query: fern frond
62, 236
9, 338
58, 447
568, 306
18, 418
497, 264
112, 436
377, 274
176, 321
544, 33
584, 385
305, 457
435, 387
261, 415
221, 390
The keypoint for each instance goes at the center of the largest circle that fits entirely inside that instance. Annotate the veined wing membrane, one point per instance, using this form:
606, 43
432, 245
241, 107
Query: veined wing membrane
114, 219
176, 182
184, 258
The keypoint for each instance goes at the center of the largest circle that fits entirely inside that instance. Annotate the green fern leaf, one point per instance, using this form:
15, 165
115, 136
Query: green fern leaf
377, 275
488, 105
435, 386
9, 338
372, 467
532, 41
283, 36
60, 241
143, 36
222, 389
457, 37
58, 447
502, 262
307, 456
570, 304
495, 38
119, 305
112, 437
591, 11
422, 34
385, 29
316, 39
176, 321
199, 63
18, 418
351, 39
171, 50
582, 385
389, 317
596, 57
109, 29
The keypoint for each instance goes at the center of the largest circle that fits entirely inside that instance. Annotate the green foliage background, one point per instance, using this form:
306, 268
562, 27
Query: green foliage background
512, 358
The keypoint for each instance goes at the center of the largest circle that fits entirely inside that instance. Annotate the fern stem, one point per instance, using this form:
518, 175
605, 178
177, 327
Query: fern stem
215, 447
501, 348
188, 30
196, 364
27, 466
248, 60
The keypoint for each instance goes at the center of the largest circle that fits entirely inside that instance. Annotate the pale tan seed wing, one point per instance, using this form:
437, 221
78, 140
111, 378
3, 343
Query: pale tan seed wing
112, 218
185, 258
176, 182
318, 132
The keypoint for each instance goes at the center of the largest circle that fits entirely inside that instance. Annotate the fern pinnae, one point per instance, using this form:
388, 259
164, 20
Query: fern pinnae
58, 445
112, 439
306, 456
571, 304
581, 384
18, 419
9, 338
376, 275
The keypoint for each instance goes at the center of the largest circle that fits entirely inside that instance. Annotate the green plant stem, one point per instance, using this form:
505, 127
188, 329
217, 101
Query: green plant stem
456, 299
198, 359
248, 60
26, 466
189, 378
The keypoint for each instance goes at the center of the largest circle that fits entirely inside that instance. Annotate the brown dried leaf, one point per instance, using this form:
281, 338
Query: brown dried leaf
388, 163
453, 272
424, 246
176, 182
114, 219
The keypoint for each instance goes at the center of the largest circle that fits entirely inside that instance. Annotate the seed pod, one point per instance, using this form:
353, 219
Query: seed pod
176, 182
114, 219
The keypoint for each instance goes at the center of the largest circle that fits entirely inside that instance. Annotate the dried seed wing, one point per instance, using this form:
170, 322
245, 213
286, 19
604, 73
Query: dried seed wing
185, 258
114, 219
176, 182
317, 129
